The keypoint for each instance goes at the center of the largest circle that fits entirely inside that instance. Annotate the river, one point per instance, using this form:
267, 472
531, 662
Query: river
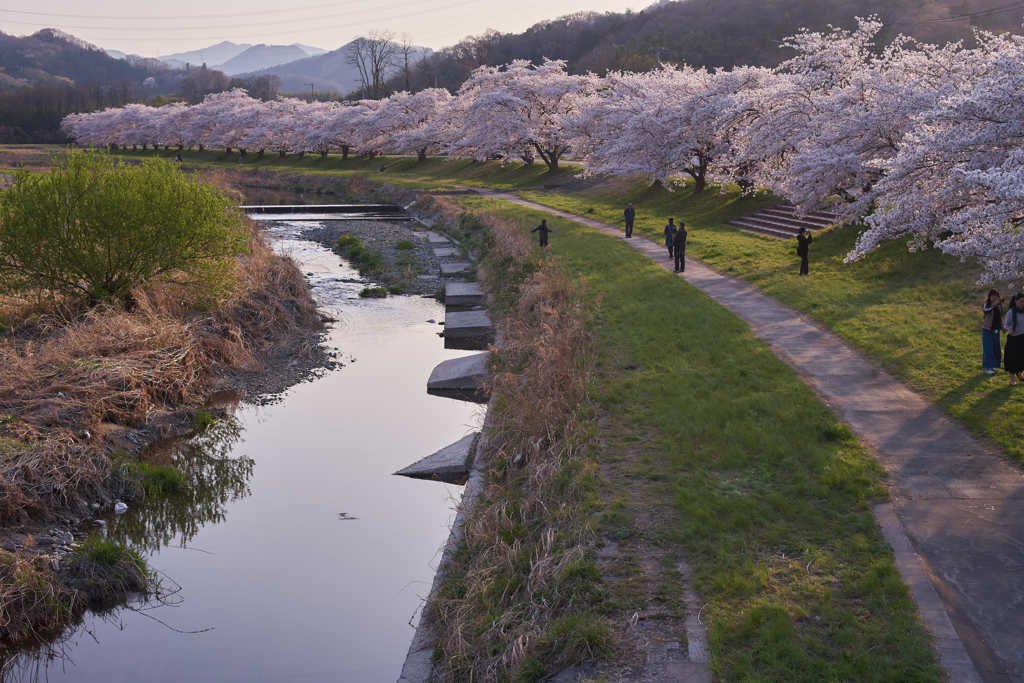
300, 557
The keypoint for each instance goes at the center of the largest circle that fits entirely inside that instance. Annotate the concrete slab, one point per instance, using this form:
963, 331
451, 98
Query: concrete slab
458, 293
450, 464
471, 330
456, 268
446, 252
437, 238
463, 378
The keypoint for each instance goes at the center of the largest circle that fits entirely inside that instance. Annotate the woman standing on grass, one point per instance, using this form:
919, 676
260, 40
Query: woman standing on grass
991, 326
1013, 355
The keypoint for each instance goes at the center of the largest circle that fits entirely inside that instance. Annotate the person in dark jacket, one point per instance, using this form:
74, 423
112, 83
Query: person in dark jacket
803, 243
630, 214
679, 247
670, 236
543, 229
1013, 354
991, 326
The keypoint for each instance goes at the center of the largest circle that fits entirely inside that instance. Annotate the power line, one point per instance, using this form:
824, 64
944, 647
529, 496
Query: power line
992, 11
207, 27
220, 30
165, 17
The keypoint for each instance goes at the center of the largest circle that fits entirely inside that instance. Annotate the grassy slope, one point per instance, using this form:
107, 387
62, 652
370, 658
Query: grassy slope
766, 491
915, 314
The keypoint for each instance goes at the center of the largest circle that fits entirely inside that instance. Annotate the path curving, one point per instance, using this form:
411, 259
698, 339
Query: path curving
956, 521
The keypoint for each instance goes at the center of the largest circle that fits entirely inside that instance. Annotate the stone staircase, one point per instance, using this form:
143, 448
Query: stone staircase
784, 222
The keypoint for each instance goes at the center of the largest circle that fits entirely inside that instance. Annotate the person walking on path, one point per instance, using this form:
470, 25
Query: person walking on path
1013, 354
679, 245
630, 214
803, 242
543, 229
991, 326
670, 236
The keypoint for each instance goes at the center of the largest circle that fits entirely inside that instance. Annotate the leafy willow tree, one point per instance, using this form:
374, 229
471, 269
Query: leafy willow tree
96, 229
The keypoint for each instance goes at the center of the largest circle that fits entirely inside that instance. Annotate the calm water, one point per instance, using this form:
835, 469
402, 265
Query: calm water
279, 582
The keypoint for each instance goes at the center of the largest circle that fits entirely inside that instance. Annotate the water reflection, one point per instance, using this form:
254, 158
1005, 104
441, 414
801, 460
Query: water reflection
213, 479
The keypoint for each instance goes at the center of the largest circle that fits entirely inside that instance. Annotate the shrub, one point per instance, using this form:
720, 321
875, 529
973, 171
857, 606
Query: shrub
361, 256
97, 228
106, 571
373, 293
404, 245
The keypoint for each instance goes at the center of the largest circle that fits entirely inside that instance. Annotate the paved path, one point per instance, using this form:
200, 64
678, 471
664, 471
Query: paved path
960, 503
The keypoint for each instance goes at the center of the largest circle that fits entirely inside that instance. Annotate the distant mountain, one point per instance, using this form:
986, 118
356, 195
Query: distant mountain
262, 57
329, 72
116, 54
311, 50
214, 54
53, 57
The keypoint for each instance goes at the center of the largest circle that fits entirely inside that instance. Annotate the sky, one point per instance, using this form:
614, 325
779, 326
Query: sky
158, 27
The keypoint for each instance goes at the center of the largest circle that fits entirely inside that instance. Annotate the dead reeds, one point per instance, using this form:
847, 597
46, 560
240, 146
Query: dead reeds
68, 381
516, 578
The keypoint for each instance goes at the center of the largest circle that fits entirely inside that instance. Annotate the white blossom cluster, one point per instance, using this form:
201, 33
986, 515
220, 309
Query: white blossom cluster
916, 141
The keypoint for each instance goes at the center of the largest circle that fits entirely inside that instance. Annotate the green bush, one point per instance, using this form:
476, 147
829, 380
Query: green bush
404, 245
362, 257
97, 228
373, 293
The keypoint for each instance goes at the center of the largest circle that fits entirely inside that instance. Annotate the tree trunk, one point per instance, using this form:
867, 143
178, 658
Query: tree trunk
259, 155
227, 150
421, 155
344, 152
302, 154
280, 155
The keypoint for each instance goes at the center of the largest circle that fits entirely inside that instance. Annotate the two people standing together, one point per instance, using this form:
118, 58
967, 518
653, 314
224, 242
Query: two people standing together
996, 321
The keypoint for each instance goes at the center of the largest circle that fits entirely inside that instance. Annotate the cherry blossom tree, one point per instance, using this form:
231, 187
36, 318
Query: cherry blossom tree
957, 182
666, 123
516, 107
406, 123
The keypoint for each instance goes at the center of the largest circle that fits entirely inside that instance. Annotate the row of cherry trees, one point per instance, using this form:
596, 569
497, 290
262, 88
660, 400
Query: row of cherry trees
914, 140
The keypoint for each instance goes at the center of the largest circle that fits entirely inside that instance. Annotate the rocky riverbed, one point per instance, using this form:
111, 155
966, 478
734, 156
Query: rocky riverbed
414, 270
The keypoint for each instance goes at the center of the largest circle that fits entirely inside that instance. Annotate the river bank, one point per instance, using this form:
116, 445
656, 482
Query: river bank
87, 392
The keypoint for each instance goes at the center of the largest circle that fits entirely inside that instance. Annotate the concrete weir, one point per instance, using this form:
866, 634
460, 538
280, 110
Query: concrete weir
465, 294
454, 268
464, 379
470, 330
450, 464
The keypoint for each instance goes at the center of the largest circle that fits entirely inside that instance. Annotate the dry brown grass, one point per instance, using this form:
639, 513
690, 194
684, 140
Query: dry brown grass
528, 532
64, 379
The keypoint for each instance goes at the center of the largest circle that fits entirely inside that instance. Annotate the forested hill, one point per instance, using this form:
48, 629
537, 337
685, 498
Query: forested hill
50, 56
707, 33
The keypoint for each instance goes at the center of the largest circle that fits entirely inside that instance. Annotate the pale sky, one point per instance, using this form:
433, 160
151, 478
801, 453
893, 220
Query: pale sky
157, 27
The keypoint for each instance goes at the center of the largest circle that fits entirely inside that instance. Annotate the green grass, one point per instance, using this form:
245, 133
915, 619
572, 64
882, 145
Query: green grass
404, 245
916, 314
362, 257
767, 493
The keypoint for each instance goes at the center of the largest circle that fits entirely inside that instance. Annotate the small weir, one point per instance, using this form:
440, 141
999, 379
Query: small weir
332, 212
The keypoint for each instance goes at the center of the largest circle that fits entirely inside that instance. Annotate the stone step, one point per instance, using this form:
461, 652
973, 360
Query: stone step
468, 330
743, 224
458, 293
791, 210
445, 252
792, 215
790, 229
463, 379
450, 464
452, 268
437, 238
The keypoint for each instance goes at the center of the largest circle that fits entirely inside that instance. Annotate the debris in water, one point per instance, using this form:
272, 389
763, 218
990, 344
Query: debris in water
120, 508
345, 517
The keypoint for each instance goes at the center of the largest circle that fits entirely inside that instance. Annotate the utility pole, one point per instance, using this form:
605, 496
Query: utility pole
311, 93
